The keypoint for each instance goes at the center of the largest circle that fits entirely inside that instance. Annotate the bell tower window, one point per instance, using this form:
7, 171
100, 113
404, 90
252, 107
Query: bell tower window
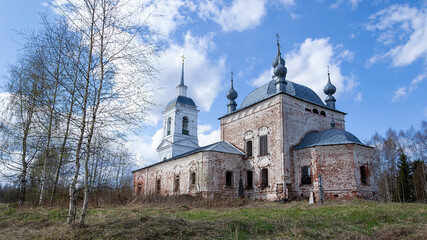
185, 130
168, 128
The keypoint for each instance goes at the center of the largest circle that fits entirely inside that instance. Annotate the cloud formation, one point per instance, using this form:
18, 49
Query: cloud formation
405, 91
240, 15
352, 3
403, 30
307, 65
202, 75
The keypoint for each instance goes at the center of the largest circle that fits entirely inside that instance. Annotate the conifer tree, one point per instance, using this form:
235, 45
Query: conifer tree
404, 178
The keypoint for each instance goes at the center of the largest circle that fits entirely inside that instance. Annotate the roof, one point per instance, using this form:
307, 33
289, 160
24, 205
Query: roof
182, 100
221, 146
332, 136
293, 89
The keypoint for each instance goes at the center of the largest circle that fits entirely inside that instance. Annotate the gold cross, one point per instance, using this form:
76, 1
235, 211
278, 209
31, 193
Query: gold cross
183, 58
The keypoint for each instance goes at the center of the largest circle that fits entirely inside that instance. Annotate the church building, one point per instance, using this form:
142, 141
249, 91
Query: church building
282, 143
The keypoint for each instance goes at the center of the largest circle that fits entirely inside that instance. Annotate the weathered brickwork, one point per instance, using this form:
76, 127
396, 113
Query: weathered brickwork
276, 167
209, 170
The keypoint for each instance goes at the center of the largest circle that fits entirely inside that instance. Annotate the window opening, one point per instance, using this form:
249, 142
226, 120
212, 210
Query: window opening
169, 126
264, 178
193, 178
229, 179
139, 189
263, 148
315, 111
185, 130
176, 184
305, 175
308, 110
363, 174
323, 113
249, 179
249, 149
158, 187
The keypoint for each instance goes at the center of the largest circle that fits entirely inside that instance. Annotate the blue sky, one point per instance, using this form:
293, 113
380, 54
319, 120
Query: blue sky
377, 51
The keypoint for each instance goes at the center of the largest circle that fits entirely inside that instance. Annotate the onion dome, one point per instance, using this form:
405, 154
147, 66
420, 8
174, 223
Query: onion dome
231, 95
330, 89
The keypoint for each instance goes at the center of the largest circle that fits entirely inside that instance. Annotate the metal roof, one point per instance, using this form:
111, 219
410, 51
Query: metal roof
182, 100
331, 136
293, 89
221, 146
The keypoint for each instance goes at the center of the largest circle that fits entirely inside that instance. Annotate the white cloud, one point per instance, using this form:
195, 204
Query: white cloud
207, 136
239, 16
202, 75
352, 3
407, 90
45, 4
358, 98
399, 93
144, 147
307, 65
404, 29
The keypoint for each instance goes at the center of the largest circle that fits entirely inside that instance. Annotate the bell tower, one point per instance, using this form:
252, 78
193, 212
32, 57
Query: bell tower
179, 124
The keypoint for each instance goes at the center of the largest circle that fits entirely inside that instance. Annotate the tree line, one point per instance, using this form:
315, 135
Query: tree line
80, 85
400, 164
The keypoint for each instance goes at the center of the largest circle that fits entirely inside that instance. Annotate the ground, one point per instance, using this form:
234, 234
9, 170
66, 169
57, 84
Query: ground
235, 219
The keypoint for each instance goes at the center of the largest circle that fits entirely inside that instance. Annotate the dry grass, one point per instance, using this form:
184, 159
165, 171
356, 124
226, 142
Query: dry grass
189, 218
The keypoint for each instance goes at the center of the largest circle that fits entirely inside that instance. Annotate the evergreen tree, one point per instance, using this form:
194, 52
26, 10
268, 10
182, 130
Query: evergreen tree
404, 178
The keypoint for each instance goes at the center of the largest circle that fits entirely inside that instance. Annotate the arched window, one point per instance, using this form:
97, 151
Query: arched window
185, 126
323, 113
168, 129
315, 111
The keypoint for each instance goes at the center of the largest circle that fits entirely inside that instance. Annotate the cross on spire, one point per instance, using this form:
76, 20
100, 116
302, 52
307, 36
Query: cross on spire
278, 44
183, 58
328, 68
231, 75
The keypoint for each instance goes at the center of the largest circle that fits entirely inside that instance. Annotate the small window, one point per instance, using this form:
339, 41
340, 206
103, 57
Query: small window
263, 148
323, 113
139, 189
315, 111
176, 184
185, 130
308, 110
249, 149
305, 175
169, 126
264, 178
193, 178
249, 179
229, 179
363, 175
158, 186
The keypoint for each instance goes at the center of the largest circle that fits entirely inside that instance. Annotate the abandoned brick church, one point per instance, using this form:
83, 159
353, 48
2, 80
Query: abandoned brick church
276, 145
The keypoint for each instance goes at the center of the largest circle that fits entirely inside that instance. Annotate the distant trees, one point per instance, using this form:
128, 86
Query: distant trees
400, 164
81, 84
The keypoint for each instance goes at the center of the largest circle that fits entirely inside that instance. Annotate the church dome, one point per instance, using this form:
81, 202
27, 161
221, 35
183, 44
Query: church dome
181, 100
293, 89
329, 89
278, 59
332, 136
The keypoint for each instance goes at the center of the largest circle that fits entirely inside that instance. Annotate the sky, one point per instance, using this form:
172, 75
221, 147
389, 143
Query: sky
377, 52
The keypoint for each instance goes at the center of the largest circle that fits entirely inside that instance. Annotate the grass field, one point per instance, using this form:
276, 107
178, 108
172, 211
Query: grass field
240, 220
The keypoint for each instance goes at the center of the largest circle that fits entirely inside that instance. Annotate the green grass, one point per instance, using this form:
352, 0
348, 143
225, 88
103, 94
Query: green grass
253, 220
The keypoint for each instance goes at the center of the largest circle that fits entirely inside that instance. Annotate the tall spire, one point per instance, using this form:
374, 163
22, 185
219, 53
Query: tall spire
231, 95
280, 70
329, 90
182, 89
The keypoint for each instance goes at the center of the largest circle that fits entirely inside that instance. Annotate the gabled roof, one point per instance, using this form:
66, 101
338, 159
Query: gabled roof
221, 146
331, 136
